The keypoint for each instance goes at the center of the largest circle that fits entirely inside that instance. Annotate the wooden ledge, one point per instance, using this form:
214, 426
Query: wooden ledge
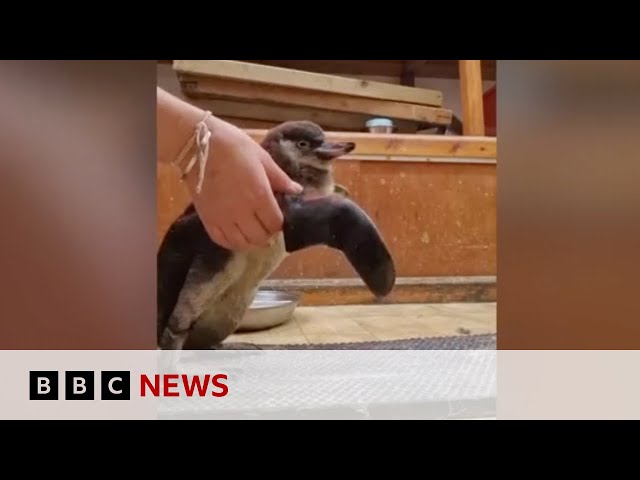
410, 144
350, 291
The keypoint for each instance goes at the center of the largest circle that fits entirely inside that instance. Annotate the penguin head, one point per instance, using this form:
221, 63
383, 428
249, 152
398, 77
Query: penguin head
296, 143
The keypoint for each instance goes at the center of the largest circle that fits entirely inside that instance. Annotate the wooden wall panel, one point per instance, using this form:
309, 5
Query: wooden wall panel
439, 219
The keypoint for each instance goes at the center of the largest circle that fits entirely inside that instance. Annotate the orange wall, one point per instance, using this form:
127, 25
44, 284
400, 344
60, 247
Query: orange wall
438, 219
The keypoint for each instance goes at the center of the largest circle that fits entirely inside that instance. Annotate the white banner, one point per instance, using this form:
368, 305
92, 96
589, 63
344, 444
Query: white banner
249, 384
569, 385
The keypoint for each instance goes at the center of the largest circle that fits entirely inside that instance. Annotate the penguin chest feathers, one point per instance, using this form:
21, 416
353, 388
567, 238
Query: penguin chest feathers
235, 286
249, 268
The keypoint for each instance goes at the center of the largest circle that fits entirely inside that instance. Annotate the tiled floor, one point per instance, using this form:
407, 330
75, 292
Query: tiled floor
355, 323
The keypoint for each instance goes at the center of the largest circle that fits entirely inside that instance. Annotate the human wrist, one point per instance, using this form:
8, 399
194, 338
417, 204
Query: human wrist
176, 124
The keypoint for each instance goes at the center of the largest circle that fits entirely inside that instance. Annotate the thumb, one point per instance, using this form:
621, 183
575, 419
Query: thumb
280, 181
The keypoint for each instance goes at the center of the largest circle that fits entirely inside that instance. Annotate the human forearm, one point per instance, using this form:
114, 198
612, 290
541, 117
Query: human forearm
236, 202
176, 122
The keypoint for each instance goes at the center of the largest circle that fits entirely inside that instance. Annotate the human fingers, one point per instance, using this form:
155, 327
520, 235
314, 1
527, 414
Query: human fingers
219, 237
278, 179
269, 214
253, 230
237, 240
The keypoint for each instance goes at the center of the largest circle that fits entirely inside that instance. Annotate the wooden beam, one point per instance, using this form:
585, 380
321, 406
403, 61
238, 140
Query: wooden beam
384, 68
248, 122
409, 69
282, 113
410, 144
471, 95
202, 87
285, 77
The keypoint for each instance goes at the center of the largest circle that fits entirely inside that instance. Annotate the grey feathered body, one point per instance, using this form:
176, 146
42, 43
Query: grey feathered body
204, 290
216, 295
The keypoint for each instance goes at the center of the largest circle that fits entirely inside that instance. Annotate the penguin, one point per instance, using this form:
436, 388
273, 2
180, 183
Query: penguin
205, 289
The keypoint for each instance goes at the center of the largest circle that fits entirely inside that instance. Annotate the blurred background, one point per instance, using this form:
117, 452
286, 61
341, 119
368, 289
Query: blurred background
79, 224
77, 204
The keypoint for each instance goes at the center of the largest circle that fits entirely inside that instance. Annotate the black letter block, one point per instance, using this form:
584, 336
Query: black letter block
116, 386
43, 385
79, 385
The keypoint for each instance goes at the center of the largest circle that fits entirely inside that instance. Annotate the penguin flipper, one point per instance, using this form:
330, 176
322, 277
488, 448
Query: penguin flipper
339, 223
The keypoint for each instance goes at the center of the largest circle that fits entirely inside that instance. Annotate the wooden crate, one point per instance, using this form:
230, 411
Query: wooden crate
333, 100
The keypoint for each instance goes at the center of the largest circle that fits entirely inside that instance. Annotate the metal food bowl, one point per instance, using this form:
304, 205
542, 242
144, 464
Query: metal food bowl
269, 309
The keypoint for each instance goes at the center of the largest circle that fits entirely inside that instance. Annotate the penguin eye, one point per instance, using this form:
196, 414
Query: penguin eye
303, 144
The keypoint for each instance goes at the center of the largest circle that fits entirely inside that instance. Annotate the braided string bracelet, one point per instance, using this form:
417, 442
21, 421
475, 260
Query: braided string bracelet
199, 140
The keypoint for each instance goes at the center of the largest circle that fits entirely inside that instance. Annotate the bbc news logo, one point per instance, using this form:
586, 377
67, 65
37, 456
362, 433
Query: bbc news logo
116, 385
79, 385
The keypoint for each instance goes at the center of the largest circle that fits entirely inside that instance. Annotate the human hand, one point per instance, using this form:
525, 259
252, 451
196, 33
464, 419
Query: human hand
237, 204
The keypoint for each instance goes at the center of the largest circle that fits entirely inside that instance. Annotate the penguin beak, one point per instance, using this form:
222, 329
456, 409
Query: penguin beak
329, 151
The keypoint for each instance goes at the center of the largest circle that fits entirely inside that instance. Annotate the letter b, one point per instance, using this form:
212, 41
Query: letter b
43, 385
79, 385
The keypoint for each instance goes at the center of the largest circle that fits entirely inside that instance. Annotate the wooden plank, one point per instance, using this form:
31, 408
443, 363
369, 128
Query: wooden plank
471, 95
279, 113
407, 290
247, 123
410, 145
199, 87
384, 68
265, 74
